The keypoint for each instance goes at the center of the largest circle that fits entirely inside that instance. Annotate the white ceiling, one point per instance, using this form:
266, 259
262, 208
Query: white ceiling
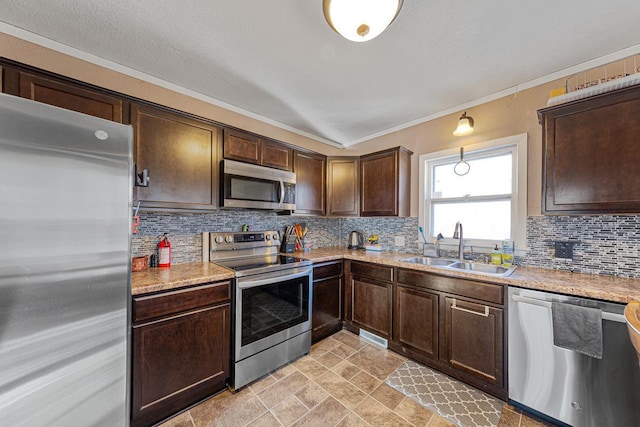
279, 60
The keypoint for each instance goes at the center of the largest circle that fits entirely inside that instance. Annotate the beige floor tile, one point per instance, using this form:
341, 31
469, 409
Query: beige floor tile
365, 382
327, 413
353, 420
228, 409
329, 359
311, 395
310, 367
266, 420
181, 420
346, 370
325, 345
345, 392
527, 421
414, 412
289, 410
343, 351
262, 383
284, 371
438, 421
279, 391
349, 339
376, 414
388, 396
376, 361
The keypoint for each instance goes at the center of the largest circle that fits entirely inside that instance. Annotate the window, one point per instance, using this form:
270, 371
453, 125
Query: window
490, 200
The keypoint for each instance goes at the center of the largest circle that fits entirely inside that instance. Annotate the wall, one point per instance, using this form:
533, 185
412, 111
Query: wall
608, 244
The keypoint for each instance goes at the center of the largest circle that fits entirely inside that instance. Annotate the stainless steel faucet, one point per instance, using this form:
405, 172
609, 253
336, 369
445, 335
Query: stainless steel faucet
458, 235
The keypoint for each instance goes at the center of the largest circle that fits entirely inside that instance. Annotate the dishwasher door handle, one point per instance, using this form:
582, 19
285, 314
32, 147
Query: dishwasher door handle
466, 310
547, 304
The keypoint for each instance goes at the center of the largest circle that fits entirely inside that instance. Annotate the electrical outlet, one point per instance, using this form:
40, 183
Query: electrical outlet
399, 241
564, 250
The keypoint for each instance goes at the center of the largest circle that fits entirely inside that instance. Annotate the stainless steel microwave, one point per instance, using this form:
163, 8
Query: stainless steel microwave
257, 187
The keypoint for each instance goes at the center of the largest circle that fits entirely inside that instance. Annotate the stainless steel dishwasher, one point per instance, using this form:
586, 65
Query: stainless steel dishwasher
565, 385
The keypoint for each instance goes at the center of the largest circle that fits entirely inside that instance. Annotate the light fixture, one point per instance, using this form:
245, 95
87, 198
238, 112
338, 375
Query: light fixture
465, 125
360, 20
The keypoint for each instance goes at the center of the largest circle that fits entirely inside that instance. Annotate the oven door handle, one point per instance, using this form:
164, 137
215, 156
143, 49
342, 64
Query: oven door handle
252, 283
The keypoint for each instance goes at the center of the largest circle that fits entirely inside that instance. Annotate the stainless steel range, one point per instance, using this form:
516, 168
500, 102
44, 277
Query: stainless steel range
271, 319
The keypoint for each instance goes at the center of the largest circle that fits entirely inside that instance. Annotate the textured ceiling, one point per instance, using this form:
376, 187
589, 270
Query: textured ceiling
278, 59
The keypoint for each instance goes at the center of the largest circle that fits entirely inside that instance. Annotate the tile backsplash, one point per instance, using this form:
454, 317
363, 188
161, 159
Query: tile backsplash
606, 244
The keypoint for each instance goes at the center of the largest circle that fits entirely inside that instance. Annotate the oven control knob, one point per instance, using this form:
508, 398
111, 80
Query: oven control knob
219, 239
228, 239
275, 236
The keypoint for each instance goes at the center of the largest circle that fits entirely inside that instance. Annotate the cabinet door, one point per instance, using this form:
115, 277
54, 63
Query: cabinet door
177, 362
276, 155
473, 340
243, 147
371, 306
343, 186
416, 321
180, 154
327, 307
385, 183
591, 155
70, 96
310, 169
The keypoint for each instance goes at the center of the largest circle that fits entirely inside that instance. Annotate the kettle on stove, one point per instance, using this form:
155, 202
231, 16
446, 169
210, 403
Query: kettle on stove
356, 240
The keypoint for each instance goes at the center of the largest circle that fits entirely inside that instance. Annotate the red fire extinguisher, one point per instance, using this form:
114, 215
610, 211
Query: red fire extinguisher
164, 252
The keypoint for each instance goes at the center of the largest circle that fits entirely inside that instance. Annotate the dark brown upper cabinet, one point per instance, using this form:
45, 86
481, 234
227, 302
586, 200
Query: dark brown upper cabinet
343, 186
249, 148
591, 150
385, 183
180, 153
310, 169
63, 94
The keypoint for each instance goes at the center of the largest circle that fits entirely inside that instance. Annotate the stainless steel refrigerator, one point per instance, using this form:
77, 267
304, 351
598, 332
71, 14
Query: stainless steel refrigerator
65, 257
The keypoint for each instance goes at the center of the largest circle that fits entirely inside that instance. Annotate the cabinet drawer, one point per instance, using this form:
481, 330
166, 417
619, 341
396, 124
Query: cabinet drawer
153, 306
329, 269
468, 288
372, 271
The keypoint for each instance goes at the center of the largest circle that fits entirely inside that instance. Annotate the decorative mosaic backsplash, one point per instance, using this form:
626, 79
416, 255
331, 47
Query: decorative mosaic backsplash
185, 230
606, 244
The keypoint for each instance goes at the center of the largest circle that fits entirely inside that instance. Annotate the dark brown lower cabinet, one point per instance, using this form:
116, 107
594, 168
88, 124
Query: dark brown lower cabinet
415, 325
327, 300
473, 339
180, 350
371, 306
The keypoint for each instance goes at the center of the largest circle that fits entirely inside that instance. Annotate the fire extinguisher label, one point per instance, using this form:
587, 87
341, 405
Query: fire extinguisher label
164, 256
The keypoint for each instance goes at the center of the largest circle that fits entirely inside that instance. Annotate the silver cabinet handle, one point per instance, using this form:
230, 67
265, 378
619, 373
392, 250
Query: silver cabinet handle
485, 314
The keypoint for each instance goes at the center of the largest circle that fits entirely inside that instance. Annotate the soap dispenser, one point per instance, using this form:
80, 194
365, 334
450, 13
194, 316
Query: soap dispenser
496, 256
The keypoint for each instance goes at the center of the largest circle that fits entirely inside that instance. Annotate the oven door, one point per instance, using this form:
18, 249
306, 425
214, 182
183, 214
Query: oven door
270, 308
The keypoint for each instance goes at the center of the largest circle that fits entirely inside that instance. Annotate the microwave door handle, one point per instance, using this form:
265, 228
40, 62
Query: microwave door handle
281, 191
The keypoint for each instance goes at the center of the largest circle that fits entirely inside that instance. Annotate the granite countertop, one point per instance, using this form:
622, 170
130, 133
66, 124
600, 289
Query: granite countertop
578, 284
177, 276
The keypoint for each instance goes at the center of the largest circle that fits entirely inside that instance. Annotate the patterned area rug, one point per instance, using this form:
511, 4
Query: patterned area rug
451, 399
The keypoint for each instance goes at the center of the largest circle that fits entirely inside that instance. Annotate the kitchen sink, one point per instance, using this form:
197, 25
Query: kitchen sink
425, 260
467, 266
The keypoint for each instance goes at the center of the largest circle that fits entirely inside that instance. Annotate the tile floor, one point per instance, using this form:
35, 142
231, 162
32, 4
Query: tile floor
340, 383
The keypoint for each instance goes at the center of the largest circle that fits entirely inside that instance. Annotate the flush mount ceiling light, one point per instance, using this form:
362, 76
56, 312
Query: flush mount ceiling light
465, 125
360, 20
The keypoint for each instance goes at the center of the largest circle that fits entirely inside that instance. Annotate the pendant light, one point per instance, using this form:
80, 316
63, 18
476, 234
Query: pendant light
360, 20
465, 125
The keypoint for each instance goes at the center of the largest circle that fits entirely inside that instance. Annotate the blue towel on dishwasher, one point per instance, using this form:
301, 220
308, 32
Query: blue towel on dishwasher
577, 328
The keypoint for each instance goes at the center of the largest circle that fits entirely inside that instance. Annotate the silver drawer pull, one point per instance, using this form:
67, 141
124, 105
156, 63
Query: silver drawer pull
485, 314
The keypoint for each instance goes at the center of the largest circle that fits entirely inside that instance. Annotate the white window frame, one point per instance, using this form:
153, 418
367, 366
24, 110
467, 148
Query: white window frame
518, 200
